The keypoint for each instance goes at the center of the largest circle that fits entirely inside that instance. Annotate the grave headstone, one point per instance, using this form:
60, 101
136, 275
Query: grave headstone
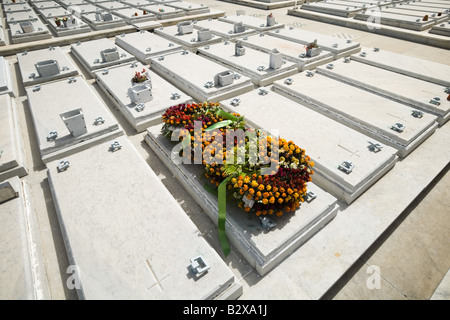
204, 34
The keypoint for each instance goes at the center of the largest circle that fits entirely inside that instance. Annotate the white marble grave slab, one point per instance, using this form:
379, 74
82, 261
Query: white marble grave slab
116, 82
28, 70
12, 155
413, 92
442, 29
16, 7
124, 245
6, 84
18, 16
195, 80
187, 40
22, 275
163, 12
254, 64
361, 110
48, 13
134, 15
397, 20
55, 98
111, 5
410, 66
37, 31
2, 35
261, 248
431, 8
77, 26
417, 14
97, 20
326, 141
256, 23
291, 51
333, 9
89, 53
137, 3
189, 8
67, 3
223, 29
46, 4
338, 47
145, 45
82, 9
16, 1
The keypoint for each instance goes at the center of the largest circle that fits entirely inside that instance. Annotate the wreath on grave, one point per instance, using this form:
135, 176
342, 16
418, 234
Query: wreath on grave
266, 175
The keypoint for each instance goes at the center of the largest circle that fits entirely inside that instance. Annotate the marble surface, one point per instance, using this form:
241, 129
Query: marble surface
250, 63
367, 112
411, 91
46, 107
27, 65
144, 45
117, 83
120, 246
414, 67
192, 81
89, 54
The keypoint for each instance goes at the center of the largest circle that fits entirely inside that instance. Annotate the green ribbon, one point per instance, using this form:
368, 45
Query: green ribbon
222, 199
219, 125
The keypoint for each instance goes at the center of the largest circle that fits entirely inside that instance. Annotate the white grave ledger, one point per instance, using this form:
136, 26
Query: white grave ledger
414, 67
380, 118
223, 29
144, 45
291, 51
262, 67
99, 54
183, 33
22, 275
6, 84
44, 65
142, 103
368, 158
262, 248
68, 117
199, 83
426, 96
119, 246
12, 155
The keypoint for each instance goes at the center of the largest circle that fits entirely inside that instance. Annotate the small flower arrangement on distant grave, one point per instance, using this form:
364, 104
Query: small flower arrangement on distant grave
270, 20
139, 76
161, 10
313, 49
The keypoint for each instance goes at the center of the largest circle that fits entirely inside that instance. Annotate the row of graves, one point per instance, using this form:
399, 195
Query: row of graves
38, 19
431, 16
279, 84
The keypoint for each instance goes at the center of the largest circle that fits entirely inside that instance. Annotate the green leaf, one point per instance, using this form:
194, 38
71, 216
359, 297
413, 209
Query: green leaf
219, 125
